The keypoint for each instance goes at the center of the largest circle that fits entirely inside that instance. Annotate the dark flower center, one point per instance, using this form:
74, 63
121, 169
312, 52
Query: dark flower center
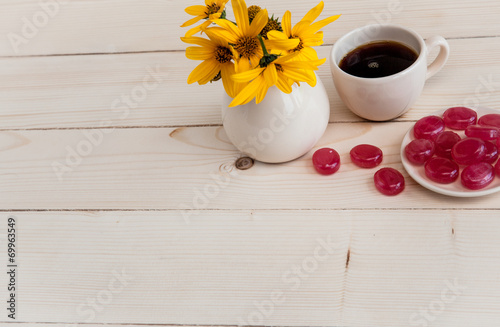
246, 46
252, 12
212, 9
223, 55
271, 25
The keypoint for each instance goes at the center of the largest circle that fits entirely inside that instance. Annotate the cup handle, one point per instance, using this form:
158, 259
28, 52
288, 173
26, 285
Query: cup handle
441, 59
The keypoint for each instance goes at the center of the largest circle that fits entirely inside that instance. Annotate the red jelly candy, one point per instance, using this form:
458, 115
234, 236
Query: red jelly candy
366, 156
442, 170
326, 161
478, 176
497, 168
419, 151
459, 117
485, 133
491, 153
428, 127
389, 181
490, 120
469, 151
445, 142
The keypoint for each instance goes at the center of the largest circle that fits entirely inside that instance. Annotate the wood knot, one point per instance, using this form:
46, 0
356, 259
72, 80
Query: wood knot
348, 259
244, 163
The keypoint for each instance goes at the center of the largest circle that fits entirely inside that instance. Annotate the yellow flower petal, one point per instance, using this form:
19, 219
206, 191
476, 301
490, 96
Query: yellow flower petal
193, 31
192, 21
204, 26
198, 10
276, 35
314, 13
243, 65
282, 44
234, 33
248, 93
241, 14
229, 70
198, 41
231, 87
312, 78
255, 60
270, 75
307, 54
215, 16
214, 69
313, 40
317, 62
258, 23
286, 58
286, 23
322, 23
297, 75
197, 53
248, 75
215, 36
204, 72
283, 85
261, 93
301, 28
222, 4
303, 65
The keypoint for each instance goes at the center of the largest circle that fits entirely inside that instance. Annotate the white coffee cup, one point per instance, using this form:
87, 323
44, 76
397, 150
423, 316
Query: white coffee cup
386, 98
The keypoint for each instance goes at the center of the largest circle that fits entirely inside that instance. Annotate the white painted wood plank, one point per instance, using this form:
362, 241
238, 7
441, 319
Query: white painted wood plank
204, 273
36, 324
79, 91
161, 168
214, 270
95, 26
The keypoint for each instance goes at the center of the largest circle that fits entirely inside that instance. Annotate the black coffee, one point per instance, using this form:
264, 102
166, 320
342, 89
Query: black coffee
378, 59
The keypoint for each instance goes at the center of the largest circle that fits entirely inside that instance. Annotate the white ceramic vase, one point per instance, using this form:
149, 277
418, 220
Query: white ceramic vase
282, 127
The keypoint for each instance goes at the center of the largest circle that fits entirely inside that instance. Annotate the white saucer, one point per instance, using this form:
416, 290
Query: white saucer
453, 189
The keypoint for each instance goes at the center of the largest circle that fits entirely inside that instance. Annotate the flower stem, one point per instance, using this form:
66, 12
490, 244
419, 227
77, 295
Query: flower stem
263, 45
266, 58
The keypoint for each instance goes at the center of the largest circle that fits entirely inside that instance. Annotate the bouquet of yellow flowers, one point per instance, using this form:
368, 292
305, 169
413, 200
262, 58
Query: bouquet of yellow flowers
256, 52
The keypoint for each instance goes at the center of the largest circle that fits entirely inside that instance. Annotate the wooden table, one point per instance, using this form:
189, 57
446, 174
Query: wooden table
129, 210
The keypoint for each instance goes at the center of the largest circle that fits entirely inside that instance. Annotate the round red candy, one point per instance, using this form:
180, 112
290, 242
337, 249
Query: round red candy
469, 151
442, 170
490, 120
491, 153
478, 176
366, 156
445, 142
419, 151
497, 168
326, 161
485, 133
389, 181
428, 127
459, 117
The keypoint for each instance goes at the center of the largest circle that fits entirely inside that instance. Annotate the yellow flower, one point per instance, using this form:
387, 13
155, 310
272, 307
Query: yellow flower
212, 10
306, 31
282, 72
217, 56
243, 36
